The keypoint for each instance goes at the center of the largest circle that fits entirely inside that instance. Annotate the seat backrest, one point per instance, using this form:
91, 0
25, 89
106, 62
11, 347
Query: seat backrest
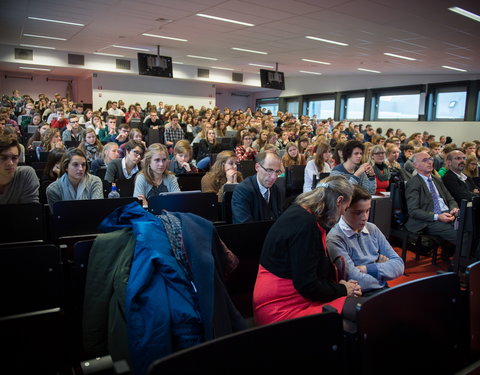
135, 123
35, 343
247, 167
472, 276
69, 144
421, 318
101, 172
22, 222
190, 181
81, 217
295, 175
246, 242
195, 202
31, 278
227, 206
125, 187
298, 344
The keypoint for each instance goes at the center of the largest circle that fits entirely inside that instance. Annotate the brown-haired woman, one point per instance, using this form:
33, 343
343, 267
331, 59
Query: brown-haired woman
223, 171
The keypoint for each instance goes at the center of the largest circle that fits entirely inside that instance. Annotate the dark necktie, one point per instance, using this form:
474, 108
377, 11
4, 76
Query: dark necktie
436, 203
265, 195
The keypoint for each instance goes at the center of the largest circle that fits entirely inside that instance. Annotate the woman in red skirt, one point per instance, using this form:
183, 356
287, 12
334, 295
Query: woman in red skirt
295, 276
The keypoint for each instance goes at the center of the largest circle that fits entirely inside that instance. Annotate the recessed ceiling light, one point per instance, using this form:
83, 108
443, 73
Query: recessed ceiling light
399, 56
317, 62
203, 57
165, 37
35, 46
307, 72
249, 50
224, 19
219, 67
452, 68
43, 37
177, 62
30, 68
56, 21
263, 66
134, 48
465, 13
368, 70
107, 54
326, 41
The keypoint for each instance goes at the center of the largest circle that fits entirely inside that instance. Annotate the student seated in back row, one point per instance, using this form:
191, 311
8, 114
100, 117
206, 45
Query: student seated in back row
360, 248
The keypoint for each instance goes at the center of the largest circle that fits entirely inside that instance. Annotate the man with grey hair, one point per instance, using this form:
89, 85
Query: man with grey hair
257, 198
458, 184
431, 207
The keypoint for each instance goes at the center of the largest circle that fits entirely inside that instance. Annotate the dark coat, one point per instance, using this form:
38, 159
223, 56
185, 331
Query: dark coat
459, 189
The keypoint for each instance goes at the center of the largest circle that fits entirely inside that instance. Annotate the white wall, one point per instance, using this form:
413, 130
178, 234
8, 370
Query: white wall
233, 99
143, 89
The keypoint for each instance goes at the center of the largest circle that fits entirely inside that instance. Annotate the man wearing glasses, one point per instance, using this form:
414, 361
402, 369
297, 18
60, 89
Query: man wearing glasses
458, 184
73, 132
257, 198
431, 207
17, 184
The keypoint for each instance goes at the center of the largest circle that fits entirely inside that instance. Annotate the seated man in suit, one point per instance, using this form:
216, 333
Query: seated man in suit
459, 185
257, 198
431, 207
360, 248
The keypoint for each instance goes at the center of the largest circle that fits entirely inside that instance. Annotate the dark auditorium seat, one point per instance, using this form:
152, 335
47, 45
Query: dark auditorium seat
195, 202
247, 167
302, 345
125, 187
190, 181
34, 343
31, 279
472, 276
82, 217
246, 242
294, 177
420, 321
22, 223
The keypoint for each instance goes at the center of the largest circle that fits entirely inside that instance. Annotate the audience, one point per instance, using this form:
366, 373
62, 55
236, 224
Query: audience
320, 164
127, 167
74, 182
361, 249
295, 277
18, 184
223, 171
182, 156
257, 197
154, 178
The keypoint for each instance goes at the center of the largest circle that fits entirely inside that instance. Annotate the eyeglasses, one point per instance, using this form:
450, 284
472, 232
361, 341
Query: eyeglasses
460, 158
379, 153
74, 122
138, 153
13, 158
426, 160
271, 172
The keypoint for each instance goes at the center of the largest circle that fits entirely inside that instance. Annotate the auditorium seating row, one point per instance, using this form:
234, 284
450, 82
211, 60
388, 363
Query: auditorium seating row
423, 326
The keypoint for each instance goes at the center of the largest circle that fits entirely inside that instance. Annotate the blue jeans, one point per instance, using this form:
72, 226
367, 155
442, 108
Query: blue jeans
204, 163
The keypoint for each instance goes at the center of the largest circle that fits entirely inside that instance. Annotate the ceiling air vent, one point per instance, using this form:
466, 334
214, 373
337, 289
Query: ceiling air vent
23, 54
203, 73
123, 64
237, 77
76, 59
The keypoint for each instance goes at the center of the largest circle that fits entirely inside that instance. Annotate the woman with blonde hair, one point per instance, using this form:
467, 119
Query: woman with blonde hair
292, 156
260, 142
223, 171
295, 276
51, 139
382, 172
91, 145
154, 178
317, 166
471, 166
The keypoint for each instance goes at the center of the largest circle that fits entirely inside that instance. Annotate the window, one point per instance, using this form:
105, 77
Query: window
323, 109
355, 107
270, 104
450, 105
398, 106
292, 107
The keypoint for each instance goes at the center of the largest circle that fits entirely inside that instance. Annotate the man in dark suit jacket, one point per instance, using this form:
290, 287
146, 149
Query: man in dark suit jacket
459, 185
434, 218
257, 198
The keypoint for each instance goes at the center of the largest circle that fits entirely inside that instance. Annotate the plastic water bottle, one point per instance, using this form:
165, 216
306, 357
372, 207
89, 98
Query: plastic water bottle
114, 192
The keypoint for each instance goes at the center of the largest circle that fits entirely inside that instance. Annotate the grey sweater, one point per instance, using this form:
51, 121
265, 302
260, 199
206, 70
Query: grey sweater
23, 188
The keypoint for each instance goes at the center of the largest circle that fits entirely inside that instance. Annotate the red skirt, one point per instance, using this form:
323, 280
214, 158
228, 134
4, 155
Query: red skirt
276, 299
